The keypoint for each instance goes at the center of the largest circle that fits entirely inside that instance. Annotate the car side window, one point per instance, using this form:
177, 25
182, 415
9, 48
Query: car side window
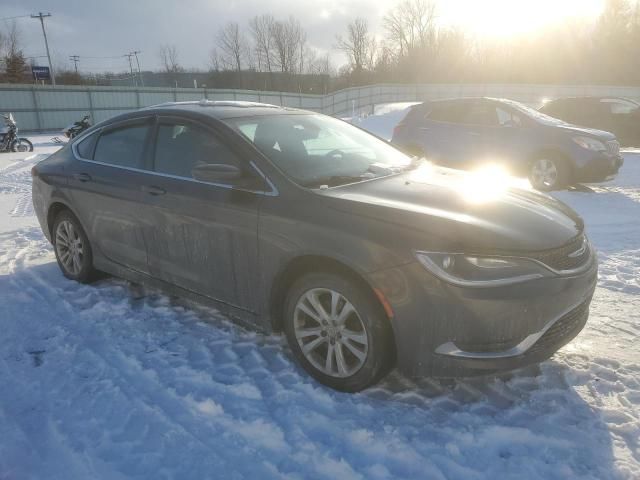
86, 146
482, 114
618, 107
181, 146
123, 146
508, 118
446, 112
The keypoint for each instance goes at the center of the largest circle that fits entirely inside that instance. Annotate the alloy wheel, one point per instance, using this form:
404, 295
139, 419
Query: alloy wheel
69, 247
330, 332
544, 173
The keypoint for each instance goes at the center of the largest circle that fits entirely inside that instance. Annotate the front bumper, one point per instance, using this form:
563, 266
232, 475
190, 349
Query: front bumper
601, 167
446, 331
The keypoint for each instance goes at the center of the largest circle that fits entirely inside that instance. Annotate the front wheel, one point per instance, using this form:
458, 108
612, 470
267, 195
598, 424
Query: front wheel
338, 332
21, 145
548, 173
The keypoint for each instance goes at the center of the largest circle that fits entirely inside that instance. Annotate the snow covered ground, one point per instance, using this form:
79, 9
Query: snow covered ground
111, 381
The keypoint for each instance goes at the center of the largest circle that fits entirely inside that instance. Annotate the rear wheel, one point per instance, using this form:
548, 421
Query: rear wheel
21, 145
72, 247
548, 173
338, 332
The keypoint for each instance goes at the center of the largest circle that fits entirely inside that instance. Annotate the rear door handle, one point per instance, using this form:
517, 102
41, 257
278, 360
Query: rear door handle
152, 190
82, 177
474, 134
424, 129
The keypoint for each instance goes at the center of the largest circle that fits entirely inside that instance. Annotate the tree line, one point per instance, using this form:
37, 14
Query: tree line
270, 53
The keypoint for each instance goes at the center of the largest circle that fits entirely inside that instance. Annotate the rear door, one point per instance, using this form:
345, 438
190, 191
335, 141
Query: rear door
443, 136
499, 134
105, 188
204, 235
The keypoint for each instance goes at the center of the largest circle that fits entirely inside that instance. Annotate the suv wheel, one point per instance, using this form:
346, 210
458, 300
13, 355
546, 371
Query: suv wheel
72, 247
548, 173
338, 332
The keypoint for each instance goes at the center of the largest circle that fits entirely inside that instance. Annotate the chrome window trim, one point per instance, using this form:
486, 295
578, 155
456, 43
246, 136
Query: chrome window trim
272, 192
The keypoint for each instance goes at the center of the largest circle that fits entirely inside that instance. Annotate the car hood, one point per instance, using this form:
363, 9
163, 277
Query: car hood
592, 132
451, 209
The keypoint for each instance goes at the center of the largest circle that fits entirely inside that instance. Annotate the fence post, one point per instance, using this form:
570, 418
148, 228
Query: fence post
37, 108
91, 112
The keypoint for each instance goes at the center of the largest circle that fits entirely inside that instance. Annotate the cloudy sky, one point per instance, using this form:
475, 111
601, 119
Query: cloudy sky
92, 29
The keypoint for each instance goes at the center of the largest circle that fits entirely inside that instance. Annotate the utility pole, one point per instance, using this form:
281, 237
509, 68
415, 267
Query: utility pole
135, 53
41, 16
129, 55
76, 59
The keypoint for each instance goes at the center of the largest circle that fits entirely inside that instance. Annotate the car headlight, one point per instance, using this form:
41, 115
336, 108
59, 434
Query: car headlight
590, 143
476, 271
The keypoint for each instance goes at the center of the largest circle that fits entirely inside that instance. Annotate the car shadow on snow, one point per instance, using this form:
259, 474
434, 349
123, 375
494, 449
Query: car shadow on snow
204, 375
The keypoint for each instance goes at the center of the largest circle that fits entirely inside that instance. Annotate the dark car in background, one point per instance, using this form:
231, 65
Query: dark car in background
620, 116
291, 220
468, 132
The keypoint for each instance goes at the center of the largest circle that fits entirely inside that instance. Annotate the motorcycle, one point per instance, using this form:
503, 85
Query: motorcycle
77, 128
9, 140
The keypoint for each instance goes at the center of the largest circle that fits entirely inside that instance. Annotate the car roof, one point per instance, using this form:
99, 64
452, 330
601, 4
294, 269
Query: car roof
467, 99
225, 109
585, 98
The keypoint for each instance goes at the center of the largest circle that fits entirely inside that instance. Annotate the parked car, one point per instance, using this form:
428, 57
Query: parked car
467, 132
291, 220
620, 116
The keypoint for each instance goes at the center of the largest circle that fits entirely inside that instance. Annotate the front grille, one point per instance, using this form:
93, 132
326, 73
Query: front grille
564, 329
565, 257
613, 147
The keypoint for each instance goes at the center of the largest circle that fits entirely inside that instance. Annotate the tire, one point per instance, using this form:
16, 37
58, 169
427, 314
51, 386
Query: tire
67, 229
366, 329
21, 145
549, 173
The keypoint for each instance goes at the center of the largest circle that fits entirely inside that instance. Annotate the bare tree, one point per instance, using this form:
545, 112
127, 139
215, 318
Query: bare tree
261, 28
411, 25
289, 40
233, 47
214, 60
359, 46
169, 58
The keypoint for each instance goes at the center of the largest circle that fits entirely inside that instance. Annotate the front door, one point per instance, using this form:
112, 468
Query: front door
204, 235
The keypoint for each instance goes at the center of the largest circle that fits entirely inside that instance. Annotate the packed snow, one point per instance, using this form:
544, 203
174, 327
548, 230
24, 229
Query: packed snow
115, 381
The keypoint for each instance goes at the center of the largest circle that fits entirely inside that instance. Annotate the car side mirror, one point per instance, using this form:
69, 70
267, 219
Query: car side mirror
215, 172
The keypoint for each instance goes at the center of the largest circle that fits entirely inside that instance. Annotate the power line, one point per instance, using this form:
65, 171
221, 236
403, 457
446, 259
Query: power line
12, 18
41, 16
75, 59
136, 52
129, 55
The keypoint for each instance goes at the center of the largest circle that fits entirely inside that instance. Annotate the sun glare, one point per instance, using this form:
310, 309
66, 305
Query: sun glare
506, 18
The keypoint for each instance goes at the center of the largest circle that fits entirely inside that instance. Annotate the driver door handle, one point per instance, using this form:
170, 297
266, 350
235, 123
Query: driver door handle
82, 177
153, 190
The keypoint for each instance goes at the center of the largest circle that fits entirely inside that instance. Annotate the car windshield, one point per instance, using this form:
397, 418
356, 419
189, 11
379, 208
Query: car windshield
316, 150
534, 114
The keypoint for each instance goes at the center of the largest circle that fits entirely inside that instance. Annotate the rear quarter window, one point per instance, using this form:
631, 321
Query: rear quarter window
85, 147
123, 146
